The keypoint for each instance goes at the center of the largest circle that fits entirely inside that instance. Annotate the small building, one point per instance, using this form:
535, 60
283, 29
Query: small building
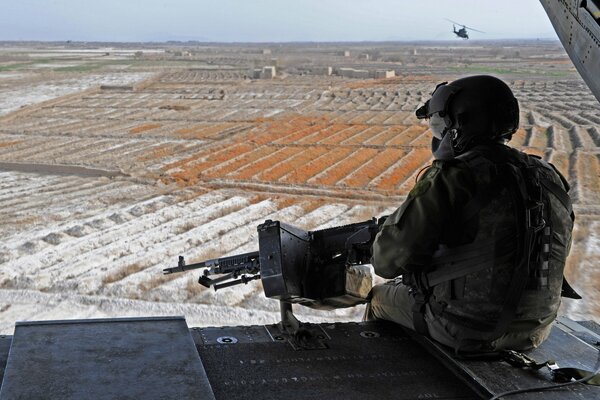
256, 72
384, 74
268, 72
321, 71
345, 72
364, 56
360, 74
266, 51
353, 73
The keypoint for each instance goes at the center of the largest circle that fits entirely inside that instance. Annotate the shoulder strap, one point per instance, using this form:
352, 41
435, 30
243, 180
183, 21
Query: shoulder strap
474, 161
560, 194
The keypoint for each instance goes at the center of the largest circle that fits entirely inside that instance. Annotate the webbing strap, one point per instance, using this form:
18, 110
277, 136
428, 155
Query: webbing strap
520, 276
567, 374
418, 312
473, 265
521, 360
449, 254
482, 197
559, 192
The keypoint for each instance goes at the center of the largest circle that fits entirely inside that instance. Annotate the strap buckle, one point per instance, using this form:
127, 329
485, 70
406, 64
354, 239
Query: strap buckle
535, 217
521, 360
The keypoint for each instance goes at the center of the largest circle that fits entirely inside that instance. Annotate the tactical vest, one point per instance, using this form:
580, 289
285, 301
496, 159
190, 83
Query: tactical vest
512, 270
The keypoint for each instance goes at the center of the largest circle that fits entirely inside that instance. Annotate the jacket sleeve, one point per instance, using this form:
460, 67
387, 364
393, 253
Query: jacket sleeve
411, 234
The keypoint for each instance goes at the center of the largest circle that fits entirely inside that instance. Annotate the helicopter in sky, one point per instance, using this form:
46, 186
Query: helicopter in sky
462, 32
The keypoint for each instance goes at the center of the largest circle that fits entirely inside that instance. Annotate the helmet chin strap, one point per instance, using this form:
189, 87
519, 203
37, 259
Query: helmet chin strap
454, 133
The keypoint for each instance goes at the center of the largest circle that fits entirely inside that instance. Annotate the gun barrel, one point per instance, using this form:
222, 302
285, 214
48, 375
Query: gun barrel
181, 266
218, 265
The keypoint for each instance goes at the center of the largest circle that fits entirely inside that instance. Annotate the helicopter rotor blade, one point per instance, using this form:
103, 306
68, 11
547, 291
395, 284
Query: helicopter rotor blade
464, 26
473, 29
454, 22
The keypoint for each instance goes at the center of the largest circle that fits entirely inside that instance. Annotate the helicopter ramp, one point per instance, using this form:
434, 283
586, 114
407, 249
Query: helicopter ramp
380, 360
128, 358
161, 358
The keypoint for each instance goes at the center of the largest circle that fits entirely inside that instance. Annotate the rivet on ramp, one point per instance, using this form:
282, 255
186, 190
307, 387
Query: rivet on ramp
369, 334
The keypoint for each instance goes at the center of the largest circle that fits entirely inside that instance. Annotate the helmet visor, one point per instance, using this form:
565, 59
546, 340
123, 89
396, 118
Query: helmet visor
438, 101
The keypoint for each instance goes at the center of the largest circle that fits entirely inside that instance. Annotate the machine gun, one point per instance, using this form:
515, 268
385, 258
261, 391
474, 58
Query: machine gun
322, 269
229, 267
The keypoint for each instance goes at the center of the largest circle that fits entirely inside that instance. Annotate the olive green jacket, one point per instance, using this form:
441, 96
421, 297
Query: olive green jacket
427, 218
437, 218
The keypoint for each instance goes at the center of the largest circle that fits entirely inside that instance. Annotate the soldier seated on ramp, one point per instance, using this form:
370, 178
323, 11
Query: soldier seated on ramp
478, 248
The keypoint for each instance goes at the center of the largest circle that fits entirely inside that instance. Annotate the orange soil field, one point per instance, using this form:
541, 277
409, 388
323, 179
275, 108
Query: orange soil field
201, 131
288, 130
410, 163
362, 137
255, 168
144, 128
322, 134
387, 134
345, 167
189, 169
8, 144
161, 151
301, 158
301, 174
239, 162
409, 135
375, 167
344, 134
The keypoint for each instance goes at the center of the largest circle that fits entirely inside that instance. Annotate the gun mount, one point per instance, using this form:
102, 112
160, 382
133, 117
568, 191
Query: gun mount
322, 269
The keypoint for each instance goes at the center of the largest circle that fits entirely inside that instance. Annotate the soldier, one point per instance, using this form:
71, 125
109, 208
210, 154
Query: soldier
478, 248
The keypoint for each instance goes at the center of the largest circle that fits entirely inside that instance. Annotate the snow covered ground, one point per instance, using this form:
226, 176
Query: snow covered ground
96, 209
28, 94
74, 247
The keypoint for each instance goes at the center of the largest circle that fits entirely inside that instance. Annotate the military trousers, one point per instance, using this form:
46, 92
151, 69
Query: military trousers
393, 301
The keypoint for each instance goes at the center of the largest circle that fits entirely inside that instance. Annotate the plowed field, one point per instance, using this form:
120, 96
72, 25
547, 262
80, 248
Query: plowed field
102, 187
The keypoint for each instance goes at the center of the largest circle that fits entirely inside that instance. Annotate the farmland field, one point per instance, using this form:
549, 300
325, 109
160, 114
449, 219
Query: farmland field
114, 161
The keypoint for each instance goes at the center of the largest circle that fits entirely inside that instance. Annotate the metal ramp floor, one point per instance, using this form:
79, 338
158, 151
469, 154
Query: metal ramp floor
130, 358
161, 358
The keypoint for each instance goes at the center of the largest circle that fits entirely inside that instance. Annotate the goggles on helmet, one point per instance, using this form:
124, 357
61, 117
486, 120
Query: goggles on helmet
438, 102
437, 126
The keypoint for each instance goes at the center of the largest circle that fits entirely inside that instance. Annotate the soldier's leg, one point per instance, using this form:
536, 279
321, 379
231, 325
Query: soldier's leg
391, 301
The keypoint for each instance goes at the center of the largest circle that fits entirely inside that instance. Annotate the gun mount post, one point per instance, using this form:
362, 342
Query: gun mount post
289, 323
320, 269
299, 335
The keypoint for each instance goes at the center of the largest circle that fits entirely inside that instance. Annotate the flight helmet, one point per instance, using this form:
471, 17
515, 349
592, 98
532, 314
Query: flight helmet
473, 110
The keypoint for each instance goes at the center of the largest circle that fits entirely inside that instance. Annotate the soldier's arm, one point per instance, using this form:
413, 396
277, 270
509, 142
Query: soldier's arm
411, 234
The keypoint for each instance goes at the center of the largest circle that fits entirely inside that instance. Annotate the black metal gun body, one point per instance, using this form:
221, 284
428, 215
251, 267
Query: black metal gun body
296, 266
310, 268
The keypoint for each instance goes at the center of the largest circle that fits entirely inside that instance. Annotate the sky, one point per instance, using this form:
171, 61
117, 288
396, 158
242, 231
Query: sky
269, 20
